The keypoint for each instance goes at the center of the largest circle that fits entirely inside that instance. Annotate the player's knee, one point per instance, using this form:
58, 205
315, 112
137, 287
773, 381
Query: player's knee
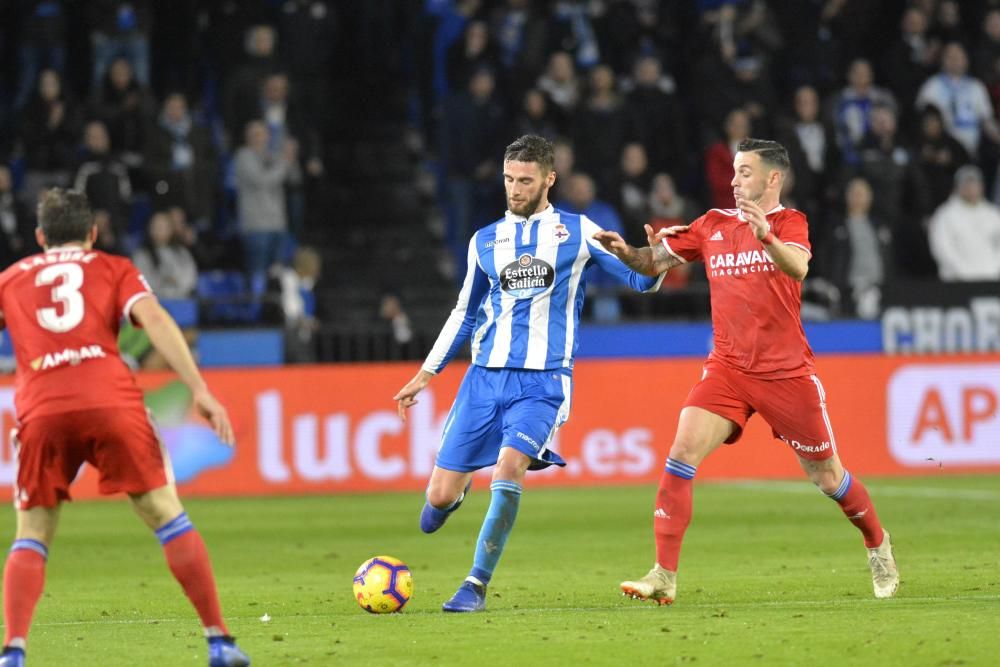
687, 450
442, 496
512, 465
825, 480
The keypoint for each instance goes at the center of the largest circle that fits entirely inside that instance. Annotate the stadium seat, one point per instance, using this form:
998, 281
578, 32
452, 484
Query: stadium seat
226, 298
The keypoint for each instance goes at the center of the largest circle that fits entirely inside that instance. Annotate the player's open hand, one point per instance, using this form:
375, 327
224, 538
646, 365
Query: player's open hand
406, 397
210, 408
755, 216
613, 243
656, 238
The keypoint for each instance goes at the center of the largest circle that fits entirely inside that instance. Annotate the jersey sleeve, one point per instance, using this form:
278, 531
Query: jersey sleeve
459, 325
614, 266
686, 245
792, 229
132, 286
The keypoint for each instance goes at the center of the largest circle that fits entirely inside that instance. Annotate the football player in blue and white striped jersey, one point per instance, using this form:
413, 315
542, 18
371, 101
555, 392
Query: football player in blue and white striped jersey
520, 303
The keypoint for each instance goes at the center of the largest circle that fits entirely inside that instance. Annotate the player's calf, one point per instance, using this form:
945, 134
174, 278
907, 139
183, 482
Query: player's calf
432, 518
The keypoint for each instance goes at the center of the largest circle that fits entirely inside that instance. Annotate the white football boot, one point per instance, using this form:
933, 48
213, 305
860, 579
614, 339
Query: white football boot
659, 585
885, 576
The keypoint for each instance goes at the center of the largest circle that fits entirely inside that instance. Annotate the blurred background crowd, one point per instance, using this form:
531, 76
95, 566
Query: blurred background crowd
320, 166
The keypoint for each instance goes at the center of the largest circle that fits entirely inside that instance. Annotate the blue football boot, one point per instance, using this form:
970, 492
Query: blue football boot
432, 518
223, 652
469, 597
12, 657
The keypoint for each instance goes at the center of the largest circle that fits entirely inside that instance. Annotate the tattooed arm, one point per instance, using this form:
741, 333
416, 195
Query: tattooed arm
649, 261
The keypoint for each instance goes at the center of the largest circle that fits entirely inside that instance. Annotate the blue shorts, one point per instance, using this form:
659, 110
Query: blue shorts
505, 407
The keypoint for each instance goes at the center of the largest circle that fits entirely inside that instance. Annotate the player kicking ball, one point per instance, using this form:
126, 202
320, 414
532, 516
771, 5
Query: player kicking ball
756, 257
77, 401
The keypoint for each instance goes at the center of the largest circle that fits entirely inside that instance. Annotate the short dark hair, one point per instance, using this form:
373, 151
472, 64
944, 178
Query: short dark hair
64, 216
532, 148
771, 152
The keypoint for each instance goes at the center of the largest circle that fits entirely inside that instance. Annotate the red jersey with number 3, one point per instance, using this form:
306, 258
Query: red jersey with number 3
62, 309
755, 306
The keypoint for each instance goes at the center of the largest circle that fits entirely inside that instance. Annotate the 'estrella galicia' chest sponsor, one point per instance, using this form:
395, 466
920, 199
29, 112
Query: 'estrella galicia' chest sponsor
526, 277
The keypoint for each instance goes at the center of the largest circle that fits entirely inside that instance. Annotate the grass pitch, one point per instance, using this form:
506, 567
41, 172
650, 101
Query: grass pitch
771, 574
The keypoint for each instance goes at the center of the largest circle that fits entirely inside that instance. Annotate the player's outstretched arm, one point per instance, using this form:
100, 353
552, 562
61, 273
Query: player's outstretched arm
406, 397
650, 261
169, 341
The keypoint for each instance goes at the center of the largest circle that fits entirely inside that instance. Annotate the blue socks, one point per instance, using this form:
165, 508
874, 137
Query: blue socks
496, 527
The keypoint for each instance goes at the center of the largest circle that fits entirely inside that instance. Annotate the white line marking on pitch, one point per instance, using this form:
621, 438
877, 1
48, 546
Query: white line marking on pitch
631, 608
783, 486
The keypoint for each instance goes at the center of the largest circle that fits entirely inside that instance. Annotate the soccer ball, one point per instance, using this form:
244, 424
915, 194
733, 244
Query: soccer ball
383, 585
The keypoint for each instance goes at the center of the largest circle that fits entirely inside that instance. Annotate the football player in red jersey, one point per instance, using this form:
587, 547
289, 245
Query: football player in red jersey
77, 401
756, 257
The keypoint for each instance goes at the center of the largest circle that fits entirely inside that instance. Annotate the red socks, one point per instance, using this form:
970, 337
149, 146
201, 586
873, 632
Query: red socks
852, 496
188, 560
23, 580
673, 512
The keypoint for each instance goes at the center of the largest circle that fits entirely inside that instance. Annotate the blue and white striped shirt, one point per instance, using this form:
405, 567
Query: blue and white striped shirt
523, 292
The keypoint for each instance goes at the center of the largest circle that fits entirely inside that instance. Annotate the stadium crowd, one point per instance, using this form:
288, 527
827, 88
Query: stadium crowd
191, 127
888, 109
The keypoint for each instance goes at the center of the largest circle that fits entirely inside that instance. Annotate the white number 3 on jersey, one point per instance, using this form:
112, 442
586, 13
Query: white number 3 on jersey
67, 292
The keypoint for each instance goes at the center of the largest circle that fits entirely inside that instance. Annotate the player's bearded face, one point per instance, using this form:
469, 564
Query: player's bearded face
525, 187
750, 178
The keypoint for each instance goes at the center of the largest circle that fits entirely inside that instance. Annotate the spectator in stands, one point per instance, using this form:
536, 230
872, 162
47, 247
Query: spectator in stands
125, 107
165, 261
599, 127
49, 129
851, 109
298, 304
719, 159
107, 237
519, 33
811, 149
470, 53
563, 164
390, 310
948, 26
965, 231
668, 208
630, 191
241, 92
570, 29
655, 116
561, 84
119, 28
938, 155
856, 250
41, 44
900, 196
261, 173
284, 120
104, 178
181, 160
474, 130
581, 198
308, 39
911, 58
988, 49
963, 100
17, 224
534, 116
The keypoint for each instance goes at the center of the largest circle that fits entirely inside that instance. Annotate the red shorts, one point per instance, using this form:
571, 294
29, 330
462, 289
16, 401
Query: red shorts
795, 408
120, 443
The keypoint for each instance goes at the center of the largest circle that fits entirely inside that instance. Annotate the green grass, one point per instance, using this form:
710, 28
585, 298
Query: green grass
771, 574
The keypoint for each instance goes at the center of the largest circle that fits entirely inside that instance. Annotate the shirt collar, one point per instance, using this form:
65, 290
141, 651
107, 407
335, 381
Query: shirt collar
547, 211
779, 207
66, 248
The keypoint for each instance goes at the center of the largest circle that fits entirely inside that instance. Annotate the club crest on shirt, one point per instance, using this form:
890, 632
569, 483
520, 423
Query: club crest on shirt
526, 277
560, 233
